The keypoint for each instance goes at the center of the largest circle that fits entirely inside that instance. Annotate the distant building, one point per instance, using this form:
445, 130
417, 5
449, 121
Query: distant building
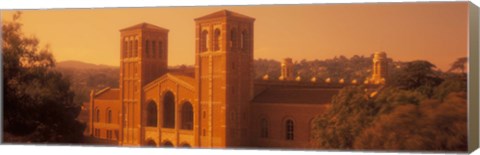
380, 65
287, 69
215, 104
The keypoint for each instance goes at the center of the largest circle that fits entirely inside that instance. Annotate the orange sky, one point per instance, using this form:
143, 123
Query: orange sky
436, 32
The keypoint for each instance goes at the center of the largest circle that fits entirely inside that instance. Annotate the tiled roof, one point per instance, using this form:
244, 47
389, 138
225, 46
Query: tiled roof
108, 94
296, 95
187, 79
224, 13
145, 26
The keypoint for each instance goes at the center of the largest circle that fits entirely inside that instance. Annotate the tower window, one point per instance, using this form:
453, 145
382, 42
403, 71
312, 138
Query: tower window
203, 41
289, 127
135, 48
233, 38
130, 48
153, 49
147, 49
125, 47
216, 41
160, 49
244, 40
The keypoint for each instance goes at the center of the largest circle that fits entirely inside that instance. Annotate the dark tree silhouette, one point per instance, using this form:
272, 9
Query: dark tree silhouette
459, 64
38, 102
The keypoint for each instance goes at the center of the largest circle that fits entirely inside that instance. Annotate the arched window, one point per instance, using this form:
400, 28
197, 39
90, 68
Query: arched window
109, 115
204, 41
216, 40
169, 110
160, 49
244, 40
147, 48
154, 49
125, 48
134, 48
233, 38
187, 116
152, 114
264, 128
129, 49
289, 127
97, 115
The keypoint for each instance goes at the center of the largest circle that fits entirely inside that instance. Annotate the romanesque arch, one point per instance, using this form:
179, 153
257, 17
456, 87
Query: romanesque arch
150, 143
160, 49
152, 114
233, 38
167, 144
185, 145
147, 48
187, 116
204, 41
169, 110
216, 40
244, 39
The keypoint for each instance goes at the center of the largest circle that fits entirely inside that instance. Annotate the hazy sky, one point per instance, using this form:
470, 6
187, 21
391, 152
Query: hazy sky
436, 32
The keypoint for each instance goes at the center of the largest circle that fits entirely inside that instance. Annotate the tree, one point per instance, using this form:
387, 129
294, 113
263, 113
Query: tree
417, 75
350, 112
460, 64
38, 102
431, 125
395, 119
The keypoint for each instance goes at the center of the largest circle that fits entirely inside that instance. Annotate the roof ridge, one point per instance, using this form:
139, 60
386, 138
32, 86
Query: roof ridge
144, 25
100, 92
224, 13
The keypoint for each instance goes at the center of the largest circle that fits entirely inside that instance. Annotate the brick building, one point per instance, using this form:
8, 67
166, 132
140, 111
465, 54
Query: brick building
216, 104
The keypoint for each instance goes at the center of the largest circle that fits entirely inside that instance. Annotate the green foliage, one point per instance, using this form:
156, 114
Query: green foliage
448, 86
431, 125
402, 116
351, 111
417, 75
38, 102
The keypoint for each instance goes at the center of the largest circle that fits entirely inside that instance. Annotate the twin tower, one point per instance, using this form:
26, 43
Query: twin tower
223, 76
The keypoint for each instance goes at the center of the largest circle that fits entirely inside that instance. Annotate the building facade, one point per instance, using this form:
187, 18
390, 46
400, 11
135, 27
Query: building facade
216, 104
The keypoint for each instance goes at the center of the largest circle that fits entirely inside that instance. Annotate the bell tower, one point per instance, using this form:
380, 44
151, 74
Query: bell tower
143, 58
380, 70
224, 75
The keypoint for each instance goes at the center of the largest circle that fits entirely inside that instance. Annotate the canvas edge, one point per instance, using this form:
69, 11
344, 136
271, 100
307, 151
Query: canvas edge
1, 82
473, 79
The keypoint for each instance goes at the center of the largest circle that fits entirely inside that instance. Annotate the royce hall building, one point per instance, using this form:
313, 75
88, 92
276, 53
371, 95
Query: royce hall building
216, 104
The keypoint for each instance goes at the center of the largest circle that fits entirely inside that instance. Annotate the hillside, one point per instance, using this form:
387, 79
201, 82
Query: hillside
85, 77
81, 65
